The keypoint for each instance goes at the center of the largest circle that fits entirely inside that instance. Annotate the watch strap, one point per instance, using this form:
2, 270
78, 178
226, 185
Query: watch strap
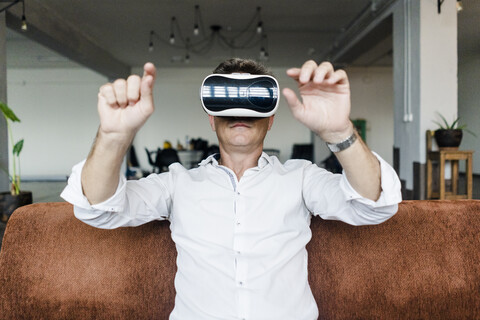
342, 145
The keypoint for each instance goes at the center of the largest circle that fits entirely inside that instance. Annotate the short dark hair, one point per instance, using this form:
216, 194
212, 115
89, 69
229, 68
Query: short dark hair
242, 65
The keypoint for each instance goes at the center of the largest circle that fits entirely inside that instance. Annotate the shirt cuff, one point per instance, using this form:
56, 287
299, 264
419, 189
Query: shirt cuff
390, 183
73, 193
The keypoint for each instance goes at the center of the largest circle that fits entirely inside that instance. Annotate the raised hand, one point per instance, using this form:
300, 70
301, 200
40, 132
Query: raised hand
125, 105
325, 100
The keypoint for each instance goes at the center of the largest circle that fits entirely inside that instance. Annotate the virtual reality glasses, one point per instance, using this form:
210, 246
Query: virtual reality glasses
239, 95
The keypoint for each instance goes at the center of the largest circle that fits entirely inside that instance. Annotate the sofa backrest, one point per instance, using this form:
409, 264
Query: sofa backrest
56, 266
421, 264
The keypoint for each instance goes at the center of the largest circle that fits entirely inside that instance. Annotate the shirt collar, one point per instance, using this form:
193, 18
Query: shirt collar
262, 161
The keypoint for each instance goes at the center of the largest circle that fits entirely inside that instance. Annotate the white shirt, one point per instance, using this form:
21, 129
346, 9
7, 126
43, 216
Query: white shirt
241, 244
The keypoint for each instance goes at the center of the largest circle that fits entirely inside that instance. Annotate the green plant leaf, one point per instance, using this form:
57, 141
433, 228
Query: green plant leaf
8, 113
439, 125
454, 123
447, 126
470, 131
17, 148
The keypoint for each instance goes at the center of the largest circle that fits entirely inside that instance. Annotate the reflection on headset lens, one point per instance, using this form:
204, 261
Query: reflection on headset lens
258, 94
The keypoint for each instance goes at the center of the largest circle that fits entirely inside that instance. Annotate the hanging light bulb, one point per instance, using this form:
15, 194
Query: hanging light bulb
260, 27
150, 44
459, 5
24, 19
172, 35
196, 29
260, 23
24, 24
262, 52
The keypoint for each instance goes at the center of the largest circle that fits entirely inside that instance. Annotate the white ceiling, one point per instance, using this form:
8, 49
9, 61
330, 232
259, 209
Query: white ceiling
297, 30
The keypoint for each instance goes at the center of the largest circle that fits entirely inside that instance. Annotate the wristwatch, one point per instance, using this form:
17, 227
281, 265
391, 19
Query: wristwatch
342, 145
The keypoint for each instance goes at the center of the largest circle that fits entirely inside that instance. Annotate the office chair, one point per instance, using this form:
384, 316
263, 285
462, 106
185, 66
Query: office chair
165, 158
302, 151
150, 154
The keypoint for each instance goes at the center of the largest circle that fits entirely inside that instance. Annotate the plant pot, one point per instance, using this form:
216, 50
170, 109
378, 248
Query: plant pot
9, 203
446, 138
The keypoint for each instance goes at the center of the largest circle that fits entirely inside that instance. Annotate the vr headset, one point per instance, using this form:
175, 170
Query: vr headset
239, 95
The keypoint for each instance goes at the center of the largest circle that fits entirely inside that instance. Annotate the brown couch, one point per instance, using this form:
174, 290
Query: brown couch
424, 263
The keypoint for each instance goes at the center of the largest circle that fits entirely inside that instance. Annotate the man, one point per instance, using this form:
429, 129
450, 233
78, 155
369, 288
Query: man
240, 221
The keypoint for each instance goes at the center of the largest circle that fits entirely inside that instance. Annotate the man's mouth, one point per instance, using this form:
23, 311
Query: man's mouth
239, 124
236, 122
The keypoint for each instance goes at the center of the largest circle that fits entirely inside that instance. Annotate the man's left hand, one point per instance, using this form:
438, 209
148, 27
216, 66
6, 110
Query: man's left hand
325, 100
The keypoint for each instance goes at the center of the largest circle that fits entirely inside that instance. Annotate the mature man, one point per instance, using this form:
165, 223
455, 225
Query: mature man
240, 221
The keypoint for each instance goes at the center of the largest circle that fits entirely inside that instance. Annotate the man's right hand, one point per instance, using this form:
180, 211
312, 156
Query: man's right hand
125, 105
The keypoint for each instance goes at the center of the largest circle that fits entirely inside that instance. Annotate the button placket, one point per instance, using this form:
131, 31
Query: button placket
238, 246
241, 261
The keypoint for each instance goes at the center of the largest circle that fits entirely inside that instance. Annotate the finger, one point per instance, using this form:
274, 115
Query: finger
338, 77
293, 73
307, 71
107, 95
293, 102
324, 71
150, 70
146, 85
133, 89
120, 88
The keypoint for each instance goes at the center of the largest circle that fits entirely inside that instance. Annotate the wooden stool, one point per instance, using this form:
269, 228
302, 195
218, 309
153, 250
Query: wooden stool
448, 154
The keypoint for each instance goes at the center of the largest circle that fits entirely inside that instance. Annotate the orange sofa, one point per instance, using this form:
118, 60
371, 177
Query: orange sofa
424, 263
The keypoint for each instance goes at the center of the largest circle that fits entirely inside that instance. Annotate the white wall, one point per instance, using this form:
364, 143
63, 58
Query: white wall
372, 100
57, 108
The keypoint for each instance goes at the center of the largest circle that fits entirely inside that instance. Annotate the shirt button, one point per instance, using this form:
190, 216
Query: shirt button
240, 283
238, 224
238, 252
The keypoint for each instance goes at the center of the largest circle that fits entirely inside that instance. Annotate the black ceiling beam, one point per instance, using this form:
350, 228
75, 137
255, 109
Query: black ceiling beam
47, 28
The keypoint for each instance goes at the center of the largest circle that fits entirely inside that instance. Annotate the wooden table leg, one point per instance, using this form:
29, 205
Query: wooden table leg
454, 164
429, 179
442, 176
468, 172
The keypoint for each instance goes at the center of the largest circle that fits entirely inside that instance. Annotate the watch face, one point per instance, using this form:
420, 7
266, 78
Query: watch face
242, 95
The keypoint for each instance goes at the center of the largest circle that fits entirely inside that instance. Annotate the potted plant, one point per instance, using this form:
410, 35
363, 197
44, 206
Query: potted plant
9, 201
449, 135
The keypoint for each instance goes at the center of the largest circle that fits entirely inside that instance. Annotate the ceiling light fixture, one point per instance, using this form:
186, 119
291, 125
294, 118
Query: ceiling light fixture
252, 35
24, 26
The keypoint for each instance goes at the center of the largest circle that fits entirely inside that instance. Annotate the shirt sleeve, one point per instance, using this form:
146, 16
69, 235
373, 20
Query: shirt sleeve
134, 203
331, 196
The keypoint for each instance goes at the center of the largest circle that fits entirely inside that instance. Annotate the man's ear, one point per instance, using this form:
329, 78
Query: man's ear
212, 122
270, 122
